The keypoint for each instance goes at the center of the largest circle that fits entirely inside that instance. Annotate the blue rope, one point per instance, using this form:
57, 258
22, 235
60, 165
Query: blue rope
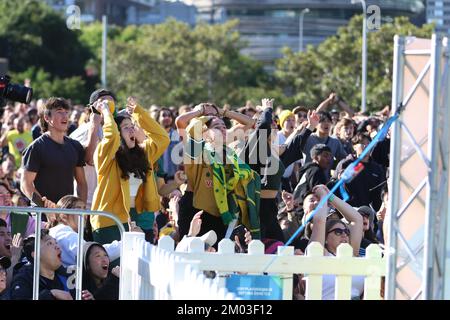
347, 176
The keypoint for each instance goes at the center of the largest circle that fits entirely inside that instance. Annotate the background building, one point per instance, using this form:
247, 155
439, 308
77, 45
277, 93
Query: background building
438, 11
266, 25
126, 12
269, 25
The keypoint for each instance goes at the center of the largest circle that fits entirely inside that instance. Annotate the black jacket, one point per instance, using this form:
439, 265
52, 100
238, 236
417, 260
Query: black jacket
108, 291
311, 175
22, 284
365, 188
380, 153
260, 160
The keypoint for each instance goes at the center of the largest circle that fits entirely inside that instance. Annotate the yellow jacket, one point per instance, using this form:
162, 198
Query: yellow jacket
113, 192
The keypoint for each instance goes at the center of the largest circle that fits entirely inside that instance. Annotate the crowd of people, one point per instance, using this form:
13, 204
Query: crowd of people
253, 172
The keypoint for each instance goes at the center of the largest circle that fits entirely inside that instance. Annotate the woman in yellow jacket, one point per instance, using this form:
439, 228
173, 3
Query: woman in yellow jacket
117, 156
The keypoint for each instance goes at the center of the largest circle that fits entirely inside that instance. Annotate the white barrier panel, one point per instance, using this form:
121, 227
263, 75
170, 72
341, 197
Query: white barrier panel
152, 273
165, 274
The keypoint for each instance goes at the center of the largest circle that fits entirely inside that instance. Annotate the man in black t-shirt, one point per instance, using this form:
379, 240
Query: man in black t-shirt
53, 160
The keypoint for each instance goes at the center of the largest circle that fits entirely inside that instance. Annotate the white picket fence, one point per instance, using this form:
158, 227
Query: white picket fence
161, 273
152, 273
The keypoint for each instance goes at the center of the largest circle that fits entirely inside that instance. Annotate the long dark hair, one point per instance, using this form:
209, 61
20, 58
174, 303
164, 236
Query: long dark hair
88, 279
132, 160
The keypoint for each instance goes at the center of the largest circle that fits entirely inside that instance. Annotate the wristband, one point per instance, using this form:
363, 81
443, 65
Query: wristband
331, 199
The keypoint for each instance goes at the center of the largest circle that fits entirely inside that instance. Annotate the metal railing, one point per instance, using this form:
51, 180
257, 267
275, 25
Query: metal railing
37, 247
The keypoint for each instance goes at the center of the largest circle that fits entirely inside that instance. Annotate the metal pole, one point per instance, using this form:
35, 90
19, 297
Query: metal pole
432, 190
37, 256
394, 170
104, 49
213, 12
37, 247
300, 29
364, 60
79, 278
364, 55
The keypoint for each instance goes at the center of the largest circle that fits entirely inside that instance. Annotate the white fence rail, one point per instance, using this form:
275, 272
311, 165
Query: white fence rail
161, 273
152, 273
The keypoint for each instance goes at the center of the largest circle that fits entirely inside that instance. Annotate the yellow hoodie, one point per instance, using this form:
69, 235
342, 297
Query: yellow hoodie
113, 192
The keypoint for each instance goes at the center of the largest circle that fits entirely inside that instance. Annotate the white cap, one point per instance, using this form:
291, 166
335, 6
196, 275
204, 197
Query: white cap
209, 238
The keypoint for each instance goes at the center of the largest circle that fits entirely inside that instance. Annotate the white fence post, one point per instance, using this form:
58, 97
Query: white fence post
343, 287
287, 278
314, 281
166, 243
128, 264
226, 246
372, 282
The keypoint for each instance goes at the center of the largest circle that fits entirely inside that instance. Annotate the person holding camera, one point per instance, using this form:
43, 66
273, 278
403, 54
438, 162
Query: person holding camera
119, 155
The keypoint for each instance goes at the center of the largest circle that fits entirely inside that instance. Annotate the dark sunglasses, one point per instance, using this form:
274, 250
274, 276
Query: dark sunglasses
339, 231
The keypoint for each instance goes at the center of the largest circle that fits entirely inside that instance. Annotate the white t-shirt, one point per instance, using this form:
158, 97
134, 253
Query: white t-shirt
81, 134
329, 285
282, 140
67, 240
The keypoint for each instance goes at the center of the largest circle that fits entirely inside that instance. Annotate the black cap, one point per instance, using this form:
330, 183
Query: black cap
318, 149
366, 211
5, 262
97, 94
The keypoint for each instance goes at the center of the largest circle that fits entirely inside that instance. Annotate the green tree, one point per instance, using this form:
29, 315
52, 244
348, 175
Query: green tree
172, 64
37, 42
335, 65
46, 85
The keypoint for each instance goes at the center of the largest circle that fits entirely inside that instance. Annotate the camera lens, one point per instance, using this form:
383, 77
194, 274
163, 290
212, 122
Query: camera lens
19, 93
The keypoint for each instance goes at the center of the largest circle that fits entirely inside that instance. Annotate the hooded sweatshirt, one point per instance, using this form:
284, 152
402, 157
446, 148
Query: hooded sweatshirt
311, 175
109, 289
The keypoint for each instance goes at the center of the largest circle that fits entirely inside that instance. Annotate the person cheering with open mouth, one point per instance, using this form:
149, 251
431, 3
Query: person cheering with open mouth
117, 156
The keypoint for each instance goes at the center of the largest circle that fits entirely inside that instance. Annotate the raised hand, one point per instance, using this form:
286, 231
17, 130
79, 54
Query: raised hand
321, 190
116, 271
288, 199
131, 104
174, 206
267, 103
133, 227
16, 247
196, 224
313, 119
332, 97
95, 119
180, 177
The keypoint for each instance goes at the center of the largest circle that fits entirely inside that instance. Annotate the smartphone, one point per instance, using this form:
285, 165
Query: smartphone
240, 232
37, 200
93, 109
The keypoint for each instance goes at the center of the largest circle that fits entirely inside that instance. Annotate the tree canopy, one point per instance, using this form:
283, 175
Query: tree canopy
335, 65
38, 45
172, 63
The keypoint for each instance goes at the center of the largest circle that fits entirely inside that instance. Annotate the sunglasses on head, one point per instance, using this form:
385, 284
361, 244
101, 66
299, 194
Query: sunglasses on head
339, 231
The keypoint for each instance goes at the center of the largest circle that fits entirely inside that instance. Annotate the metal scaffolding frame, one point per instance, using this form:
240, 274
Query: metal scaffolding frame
423, 250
